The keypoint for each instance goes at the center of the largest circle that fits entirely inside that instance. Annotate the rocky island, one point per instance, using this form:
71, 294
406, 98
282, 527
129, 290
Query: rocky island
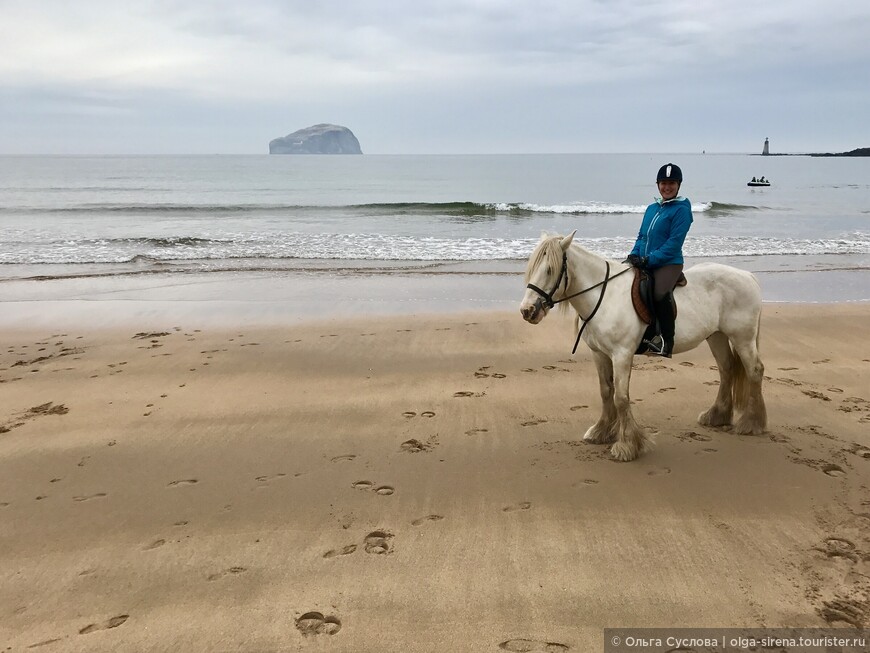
317, 139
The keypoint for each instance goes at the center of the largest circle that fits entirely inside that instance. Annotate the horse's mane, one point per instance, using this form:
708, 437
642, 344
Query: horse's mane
548, 251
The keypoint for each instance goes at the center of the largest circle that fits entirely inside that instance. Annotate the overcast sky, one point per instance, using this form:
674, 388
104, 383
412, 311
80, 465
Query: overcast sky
435, 76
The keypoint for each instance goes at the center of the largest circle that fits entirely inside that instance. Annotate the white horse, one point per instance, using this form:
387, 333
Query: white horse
720, 304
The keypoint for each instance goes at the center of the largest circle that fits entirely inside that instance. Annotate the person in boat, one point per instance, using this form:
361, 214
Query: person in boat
753, 180
762, 179
659, 248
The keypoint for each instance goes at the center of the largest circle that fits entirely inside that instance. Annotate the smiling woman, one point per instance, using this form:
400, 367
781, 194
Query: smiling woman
659, 248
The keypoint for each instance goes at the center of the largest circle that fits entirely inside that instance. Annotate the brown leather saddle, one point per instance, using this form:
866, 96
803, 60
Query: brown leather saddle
642, 298
642, 295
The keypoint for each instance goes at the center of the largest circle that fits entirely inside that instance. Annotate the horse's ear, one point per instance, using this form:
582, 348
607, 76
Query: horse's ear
566, 241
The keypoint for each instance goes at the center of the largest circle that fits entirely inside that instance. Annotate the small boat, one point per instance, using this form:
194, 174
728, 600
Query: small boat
756, 182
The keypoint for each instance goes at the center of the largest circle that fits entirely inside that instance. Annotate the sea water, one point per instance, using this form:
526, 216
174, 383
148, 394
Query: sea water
324, 217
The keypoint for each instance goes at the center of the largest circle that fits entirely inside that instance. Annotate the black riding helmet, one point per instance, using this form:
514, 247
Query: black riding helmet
670, 172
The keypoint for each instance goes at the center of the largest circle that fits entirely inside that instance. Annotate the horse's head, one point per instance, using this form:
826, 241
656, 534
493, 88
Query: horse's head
544, 274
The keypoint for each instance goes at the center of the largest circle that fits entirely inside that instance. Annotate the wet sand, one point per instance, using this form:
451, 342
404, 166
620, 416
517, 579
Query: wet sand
416, 483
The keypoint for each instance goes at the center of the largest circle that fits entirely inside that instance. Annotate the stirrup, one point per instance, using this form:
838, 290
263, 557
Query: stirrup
657, 347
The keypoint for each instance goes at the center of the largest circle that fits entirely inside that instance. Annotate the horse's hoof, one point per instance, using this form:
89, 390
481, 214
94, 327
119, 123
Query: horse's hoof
597, 437
748, 429
714, 418
624, 452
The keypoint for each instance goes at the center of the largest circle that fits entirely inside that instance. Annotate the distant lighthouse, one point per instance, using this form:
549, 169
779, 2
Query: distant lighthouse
766, 149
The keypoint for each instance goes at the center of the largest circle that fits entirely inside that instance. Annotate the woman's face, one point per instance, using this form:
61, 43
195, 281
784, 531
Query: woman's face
668, 189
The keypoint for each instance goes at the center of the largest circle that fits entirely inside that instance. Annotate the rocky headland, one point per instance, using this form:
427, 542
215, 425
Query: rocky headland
861, 151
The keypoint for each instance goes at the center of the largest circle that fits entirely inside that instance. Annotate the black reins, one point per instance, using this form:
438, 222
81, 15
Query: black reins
548, 297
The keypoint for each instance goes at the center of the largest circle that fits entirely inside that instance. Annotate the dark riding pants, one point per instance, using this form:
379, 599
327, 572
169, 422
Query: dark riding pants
665, 279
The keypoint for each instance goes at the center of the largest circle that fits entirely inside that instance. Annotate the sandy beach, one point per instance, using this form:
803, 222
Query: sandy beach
417, 483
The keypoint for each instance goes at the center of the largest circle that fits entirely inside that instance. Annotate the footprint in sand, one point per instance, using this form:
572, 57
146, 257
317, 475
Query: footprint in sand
226, 572
468, 393
661, 471
844, 611
347, 456
148, 336
861, 452
838, 547
415, 446
816, 395
410, 413
184, 481
533, 422
378, 542
315, 623
385, 490
833, 470
581, 407
269, 477
524, 505
475, 431
334, 553
687, 364
664, 390
696, 437
156, 544
89, 496
362, 485
114, 622
47, 409
532, 646
45, 642
424, 520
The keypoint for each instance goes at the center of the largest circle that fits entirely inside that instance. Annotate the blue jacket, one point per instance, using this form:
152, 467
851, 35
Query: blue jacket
663, 230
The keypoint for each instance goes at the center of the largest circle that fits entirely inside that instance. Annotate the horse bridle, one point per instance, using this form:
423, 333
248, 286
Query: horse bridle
548, 297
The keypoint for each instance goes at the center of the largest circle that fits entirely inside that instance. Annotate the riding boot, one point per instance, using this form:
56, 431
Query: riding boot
666, 319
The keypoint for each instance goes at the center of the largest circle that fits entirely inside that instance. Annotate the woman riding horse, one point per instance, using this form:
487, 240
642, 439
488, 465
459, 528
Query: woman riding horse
659, 247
